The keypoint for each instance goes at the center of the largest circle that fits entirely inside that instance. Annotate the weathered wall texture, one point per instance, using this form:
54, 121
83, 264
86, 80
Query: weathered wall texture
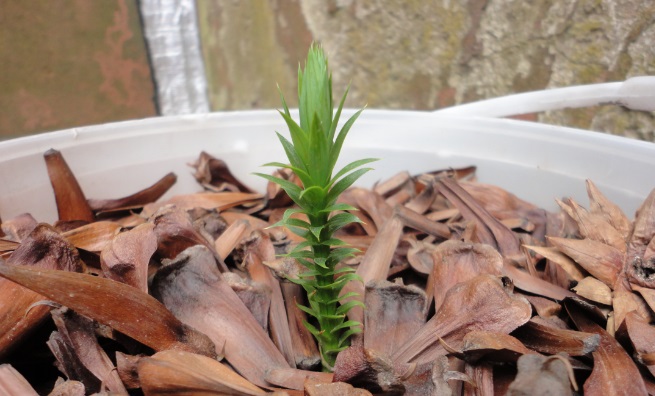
421, 54
70, 63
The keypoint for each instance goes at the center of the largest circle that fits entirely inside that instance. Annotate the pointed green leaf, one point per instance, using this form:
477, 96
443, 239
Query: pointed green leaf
345, 325
313, 195
333, 242
345, 307
339, 254
335, 120
291, 188
333, 317
341, 220
345, 296
338, 207
307, 310
300, 140
338, 142
352, 166
344, 270
346, 335
344, 183
312, 329
317, 231
284, 102
293, 222
320, 261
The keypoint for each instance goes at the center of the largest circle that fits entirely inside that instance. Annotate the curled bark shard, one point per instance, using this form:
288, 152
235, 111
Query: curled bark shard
485, 302
193, 289
540, 375
614, 372
178, 372
71, 202
136, 200
43, 248
117, 305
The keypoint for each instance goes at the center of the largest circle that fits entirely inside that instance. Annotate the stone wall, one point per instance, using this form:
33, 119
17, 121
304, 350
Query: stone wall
417, 54
69, 63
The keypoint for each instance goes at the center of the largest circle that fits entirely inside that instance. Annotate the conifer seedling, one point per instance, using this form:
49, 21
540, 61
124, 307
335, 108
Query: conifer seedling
312, 153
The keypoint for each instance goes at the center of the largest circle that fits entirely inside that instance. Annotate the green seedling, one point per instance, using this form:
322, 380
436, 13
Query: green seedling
313, 152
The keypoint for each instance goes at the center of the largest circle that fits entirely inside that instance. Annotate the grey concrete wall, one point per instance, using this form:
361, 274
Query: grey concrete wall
416, 54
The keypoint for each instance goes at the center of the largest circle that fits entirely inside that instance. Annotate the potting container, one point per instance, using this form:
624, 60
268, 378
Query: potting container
537, 162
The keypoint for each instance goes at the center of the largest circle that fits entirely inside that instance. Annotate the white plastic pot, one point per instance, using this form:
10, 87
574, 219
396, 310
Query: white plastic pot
537, 162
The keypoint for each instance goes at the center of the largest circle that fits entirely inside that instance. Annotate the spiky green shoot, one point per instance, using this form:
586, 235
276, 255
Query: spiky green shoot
313, 153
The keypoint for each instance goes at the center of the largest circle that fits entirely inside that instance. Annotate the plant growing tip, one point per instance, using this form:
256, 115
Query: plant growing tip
313, 152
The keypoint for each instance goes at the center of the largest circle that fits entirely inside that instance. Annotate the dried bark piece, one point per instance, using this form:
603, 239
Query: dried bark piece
432, 378
7, 246
42, 248
206, 200
482, 376
594, 290
313, 388
370, 203
295, 379
127, 256
543, 306
77, 337
127, 368
482, 303
92, 237
455, 262
536, 335
600, 205
117, 305
231, 237
256, 296
19, 227
641, 336
178, 372
554, 255
211, 171
594, 226
488, 229
393, 184
492, 347
602, 261
419, 255
68, 388
394, 312
375, 264
368, 369
192, 288
421, 223
614, 372
423, 200
136, 200
641, 262
258, 249
13, 383
540, 375
494, 198
71, 202
175, 233
647, 294
304, 345
625, 301
529, 283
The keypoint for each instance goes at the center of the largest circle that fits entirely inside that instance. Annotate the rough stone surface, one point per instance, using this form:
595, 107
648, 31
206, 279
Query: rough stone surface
71, 63
415, 54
